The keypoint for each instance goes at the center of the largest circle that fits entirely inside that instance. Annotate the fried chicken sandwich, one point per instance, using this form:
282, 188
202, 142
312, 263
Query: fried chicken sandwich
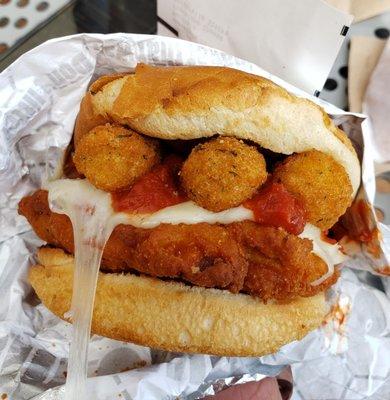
228, 186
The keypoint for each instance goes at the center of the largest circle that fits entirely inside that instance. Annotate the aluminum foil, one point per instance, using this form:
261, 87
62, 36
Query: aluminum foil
347, 358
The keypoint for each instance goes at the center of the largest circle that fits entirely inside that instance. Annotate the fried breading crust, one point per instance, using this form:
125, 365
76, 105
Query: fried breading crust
319, 182
113, 157
222, 173
262, 261
281, 265
202, 254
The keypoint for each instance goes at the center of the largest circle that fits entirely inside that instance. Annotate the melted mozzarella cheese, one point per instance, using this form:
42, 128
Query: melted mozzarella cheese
187, 213
93, 220
328, 252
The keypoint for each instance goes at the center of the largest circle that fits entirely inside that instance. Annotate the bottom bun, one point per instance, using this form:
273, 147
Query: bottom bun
176, 317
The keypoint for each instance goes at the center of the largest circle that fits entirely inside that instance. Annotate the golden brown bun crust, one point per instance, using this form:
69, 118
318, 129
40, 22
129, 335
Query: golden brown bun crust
176, 317
98, 85
87, 119
190, 102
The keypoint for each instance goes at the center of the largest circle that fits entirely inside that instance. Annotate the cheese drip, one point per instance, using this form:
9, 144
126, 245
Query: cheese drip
93, 220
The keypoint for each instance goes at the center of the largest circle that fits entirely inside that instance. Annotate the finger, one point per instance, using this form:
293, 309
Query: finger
266, 389
285, 382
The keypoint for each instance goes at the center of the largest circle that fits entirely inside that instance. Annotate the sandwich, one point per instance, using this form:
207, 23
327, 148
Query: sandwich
228, 187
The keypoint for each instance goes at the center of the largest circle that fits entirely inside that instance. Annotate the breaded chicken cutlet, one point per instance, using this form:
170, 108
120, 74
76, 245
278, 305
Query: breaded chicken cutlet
261, 261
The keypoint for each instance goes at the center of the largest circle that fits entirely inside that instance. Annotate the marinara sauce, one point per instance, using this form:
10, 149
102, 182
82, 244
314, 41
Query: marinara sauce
273, 205
154, 191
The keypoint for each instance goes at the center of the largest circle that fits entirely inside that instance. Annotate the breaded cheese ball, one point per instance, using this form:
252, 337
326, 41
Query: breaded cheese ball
113, 157
222, 173
319, 182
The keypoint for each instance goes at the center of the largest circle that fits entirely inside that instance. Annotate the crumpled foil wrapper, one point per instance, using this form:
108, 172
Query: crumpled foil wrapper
347, 358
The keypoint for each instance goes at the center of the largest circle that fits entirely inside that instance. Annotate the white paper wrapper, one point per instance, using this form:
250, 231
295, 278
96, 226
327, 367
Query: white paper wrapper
39, 99
281, 36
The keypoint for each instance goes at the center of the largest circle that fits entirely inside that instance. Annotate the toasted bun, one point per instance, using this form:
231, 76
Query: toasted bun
193, 102
176, 317
87, 118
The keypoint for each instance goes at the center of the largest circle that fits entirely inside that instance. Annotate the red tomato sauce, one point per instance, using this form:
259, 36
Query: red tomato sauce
358, 223
273, 205
152, 192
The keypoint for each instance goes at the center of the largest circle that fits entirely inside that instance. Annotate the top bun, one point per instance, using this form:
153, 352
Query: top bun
190, 102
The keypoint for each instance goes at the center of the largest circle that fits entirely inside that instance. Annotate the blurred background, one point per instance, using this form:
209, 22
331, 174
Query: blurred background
26, 23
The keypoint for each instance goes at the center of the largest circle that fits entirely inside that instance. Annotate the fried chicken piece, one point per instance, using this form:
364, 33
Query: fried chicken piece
319, 182
202, 254
281, 266
262, 261
113, 157
222, 173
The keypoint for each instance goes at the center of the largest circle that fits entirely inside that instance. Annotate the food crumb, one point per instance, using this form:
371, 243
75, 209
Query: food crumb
4, 396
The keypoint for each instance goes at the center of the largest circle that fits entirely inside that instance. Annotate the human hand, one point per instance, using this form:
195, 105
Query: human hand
278, 388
